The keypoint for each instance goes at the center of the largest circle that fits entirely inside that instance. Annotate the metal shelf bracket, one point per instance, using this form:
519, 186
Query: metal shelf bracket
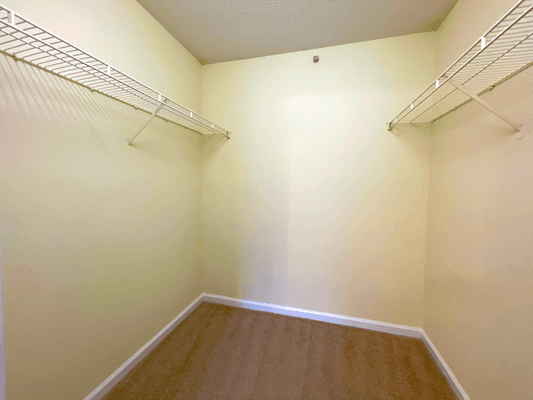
519, 134
154, 114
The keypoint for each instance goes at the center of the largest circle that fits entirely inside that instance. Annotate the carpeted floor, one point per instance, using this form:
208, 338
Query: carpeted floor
221, 352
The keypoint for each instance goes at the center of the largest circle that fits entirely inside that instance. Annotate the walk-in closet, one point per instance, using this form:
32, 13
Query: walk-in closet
266, 199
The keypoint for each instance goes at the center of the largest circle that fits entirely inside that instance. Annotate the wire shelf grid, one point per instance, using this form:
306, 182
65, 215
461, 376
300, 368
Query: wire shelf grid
502, 52
23, 40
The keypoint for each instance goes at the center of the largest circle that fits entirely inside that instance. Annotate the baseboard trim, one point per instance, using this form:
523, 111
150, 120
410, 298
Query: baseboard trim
395, 329
445, 369
123, 370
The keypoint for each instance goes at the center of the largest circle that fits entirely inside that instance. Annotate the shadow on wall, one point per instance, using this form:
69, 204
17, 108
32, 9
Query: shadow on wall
44, 97
88, 223
41, 96
421, 128
245, 203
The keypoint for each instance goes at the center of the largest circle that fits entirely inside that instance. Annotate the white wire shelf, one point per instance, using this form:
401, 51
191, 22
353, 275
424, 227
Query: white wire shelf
503, 51
25, 41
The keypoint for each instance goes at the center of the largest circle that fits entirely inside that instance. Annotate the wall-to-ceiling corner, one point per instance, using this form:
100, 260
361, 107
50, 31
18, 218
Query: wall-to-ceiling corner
479, 275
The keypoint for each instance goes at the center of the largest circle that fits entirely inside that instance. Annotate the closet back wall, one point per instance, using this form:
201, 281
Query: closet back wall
100, 242
313, 203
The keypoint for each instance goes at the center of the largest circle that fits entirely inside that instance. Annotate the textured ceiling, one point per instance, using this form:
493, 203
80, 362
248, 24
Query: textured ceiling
224, 30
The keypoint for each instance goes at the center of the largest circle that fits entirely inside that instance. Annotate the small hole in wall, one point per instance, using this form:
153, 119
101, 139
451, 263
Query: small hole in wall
316, 59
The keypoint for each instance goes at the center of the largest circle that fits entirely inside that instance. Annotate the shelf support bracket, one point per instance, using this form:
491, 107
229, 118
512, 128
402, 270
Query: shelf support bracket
11, 18
147, 122
519, 134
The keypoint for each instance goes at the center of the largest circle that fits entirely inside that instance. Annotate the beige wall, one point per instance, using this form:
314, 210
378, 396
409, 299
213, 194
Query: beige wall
100, 242
479, 276
313, 203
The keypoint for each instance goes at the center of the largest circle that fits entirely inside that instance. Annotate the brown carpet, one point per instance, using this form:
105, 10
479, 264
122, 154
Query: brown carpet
221, 352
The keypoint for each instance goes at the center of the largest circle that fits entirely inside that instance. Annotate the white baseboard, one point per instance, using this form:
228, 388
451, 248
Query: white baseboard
394, 329
122, 371
452, 380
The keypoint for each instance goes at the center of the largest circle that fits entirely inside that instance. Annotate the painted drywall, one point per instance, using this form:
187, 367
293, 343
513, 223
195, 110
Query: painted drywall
313, 203
100, 243
3, 377
479, 275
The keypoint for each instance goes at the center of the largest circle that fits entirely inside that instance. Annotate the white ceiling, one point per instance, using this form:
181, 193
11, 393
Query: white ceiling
224, 30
